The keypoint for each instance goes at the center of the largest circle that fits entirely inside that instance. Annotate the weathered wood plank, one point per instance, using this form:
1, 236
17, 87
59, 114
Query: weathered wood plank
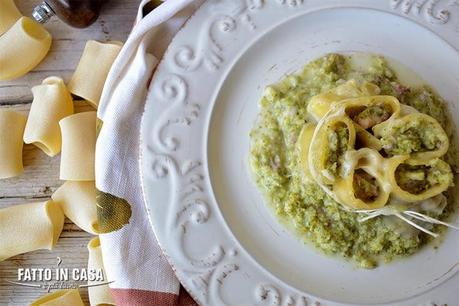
41, 174
39, 180
115, 23
72, 251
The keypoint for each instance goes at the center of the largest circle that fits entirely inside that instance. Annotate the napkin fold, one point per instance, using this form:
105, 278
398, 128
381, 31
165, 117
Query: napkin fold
131, 254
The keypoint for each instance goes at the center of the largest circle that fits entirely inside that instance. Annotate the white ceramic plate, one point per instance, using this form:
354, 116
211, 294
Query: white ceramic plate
223, 241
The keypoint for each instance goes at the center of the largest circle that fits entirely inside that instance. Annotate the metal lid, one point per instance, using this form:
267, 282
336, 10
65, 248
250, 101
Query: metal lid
42, 13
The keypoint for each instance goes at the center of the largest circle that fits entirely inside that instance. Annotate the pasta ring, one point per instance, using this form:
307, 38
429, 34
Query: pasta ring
364, 111
323, 162
303, 144
430, 145
361, 164
416, 176
319, 105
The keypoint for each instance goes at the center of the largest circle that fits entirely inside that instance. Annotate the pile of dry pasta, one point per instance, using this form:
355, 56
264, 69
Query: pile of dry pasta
54, 128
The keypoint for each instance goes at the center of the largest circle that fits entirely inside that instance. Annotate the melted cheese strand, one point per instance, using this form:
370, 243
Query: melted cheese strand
372, 213
387, 211
370, 216
416, 225
426, 218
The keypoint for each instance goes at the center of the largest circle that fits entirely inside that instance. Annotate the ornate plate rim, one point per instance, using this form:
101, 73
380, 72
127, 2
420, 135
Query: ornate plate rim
264, 292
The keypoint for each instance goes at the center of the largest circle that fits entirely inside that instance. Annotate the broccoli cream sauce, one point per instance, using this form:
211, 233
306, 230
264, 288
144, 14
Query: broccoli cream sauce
302, 204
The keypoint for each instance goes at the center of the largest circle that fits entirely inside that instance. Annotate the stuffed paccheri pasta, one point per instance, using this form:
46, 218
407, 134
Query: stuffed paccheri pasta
365, 153
357, 161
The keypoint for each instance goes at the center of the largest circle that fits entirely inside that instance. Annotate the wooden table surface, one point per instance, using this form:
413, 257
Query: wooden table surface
41, 176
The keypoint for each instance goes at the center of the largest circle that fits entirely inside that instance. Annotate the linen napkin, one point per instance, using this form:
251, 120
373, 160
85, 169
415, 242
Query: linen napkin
132, 257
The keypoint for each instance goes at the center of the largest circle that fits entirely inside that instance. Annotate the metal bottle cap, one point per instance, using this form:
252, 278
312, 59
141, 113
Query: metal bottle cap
42, 13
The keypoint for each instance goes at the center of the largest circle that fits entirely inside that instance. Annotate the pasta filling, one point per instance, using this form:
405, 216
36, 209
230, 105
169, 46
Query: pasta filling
413, 137
338, 139
416, 179
365, 186
372, 116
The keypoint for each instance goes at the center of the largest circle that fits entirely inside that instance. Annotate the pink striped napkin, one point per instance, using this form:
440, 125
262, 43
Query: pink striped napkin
132, 257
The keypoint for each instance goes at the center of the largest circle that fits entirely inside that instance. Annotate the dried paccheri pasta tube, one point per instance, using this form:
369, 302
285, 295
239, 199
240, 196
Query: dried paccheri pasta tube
89, 77
29, 227
78, 147
59, 298
98, 295
11, 130
51, 103
9, 14
78, 201
22, 47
